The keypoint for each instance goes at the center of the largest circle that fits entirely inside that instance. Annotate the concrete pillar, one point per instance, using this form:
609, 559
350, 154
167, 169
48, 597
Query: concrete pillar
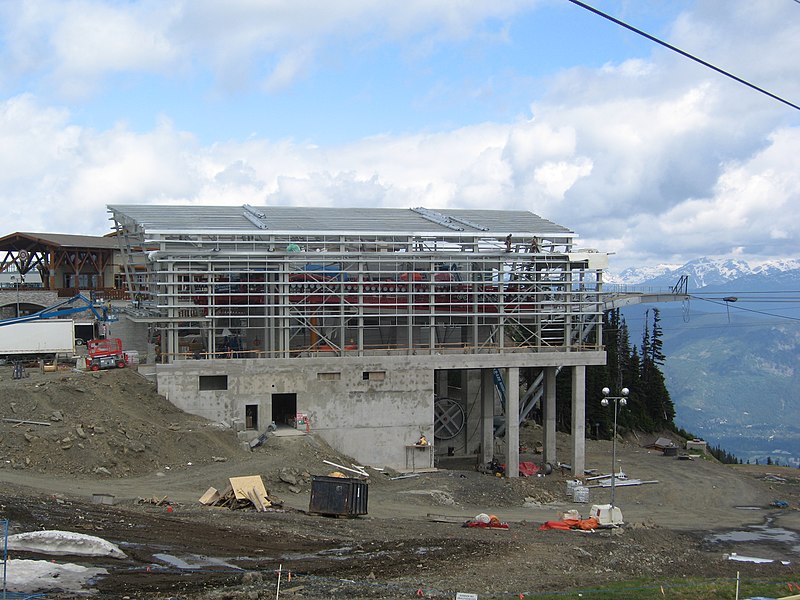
549, 416
578, 420
487, 416
512, 423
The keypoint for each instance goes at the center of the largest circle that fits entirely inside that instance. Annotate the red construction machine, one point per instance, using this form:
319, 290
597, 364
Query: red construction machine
105, 354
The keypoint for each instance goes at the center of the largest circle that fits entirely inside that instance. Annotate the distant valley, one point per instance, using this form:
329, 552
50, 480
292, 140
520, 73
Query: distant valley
733, 353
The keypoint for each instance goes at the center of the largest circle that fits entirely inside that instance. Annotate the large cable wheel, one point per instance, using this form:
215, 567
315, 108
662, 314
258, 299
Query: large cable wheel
448, 418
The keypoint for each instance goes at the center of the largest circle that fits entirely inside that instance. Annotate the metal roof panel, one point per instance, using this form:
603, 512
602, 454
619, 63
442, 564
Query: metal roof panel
216, 219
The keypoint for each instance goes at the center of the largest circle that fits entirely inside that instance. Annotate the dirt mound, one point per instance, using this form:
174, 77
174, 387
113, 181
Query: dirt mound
105, 424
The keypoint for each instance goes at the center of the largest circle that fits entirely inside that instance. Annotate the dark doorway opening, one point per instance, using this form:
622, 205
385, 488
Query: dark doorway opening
251, 416
284, 408
84, 331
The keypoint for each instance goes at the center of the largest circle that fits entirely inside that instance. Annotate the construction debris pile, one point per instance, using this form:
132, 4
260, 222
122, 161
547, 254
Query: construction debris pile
242, 493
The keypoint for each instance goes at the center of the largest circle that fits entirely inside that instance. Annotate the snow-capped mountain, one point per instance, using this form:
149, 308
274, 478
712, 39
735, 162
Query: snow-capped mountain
637, 275
704, 272
731, 367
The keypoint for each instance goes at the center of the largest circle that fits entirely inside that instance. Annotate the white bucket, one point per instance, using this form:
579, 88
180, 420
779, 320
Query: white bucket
580, 494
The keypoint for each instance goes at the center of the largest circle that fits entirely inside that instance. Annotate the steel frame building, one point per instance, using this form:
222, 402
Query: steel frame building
497, 289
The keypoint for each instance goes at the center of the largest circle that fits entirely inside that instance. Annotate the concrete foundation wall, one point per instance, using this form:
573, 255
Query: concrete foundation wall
368, 410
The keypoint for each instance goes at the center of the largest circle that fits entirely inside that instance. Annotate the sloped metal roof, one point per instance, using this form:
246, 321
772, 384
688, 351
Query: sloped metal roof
216, 219
63, 240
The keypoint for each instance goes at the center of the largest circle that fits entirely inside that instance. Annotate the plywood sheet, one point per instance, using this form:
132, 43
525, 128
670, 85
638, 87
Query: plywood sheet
244, 488
210, 497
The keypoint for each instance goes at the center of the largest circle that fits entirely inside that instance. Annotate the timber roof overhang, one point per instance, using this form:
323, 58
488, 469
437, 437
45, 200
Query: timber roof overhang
33, 241
46, 252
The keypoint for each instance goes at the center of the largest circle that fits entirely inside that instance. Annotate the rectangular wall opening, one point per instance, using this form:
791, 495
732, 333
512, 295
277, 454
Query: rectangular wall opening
213, 382
329, 376
284, 408
251, 416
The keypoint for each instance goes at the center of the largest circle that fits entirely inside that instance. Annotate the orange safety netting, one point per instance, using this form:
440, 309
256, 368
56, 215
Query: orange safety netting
585, 524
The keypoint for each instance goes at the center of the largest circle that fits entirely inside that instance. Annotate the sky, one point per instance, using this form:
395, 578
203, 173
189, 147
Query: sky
537, 105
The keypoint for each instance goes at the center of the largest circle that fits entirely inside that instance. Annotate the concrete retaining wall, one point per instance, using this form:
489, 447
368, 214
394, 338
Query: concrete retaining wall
366, 409
370, 408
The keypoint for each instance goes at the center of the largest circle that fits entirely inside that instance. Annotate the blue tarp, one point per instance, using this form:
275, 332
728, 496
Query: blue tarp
332, 271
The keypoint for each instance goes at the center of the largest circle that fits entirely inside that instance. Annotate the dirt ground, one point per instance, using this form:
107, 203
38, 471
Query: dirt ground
68, 435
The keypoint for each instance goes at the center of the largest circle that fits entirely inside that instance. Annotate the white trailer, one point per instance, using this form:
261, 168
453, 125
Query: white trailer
46, 338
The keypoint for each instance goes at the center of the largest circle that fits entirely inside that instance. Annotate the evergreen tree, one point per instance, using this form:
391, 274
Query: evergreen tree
635, 414
659, 408
626, 373
597, 424
657, 345
599, 419
649, 407
724, 456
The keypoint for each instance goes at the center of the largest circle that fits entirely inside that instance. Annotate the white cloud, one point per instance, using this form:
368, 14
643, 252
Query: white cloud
94, 39
59, 177
77, 44
754, 41
289, 67
529, 143
654, 158
32, 138
590, 179
134, 168
752, 211
556, 178
629, 69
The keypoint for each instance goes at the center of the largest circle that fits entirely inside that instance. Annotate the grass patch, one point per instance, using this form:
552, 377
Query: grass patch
684, 588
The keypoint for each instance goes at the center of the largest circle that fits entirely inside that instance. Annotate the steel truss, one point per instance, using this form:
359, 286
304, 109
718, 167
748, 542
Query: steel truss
278, 295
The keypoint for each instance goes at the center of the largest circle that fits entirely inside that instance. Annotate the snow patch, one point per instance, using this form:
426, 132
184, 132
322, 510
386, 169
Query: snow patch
29, 576
63, 543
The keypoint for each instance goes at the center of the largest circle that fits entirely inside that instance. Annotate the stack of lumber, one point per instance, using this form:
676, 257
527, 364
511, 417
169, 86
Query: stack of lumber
241, 493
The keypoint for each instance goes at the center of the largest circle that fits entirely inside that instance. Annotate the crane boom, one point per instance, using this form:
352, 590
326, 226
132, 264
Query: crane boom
65, 308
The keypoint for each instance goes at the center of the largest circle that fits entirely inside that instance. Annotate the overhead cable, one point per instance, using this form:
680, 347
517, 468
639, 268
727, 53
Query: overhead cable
731, 305
683, 53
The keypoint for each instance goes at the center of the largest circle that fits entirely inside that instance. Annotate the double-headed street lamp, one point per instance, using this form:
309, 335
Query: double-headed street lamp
621, 400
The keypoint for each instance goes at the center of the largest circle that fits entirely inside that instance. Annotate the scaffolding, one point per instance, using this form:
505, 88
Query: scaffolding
429, 283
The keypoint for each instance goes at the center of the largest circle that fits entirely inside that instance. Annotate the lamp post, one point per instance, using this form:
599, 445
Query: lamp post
620, 400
